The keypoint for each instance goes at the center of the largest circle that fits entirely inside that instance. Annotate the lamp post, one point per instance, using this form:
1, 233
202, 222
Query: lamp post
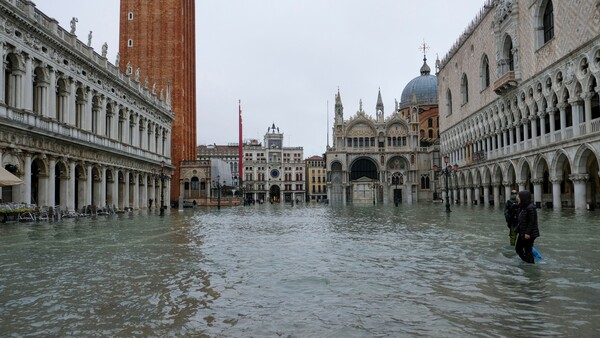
162, 188
446, 172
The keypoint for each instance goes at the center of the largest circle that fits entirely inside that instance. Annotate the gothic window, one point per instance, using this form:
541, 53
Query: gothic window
430, 132
430, 123
548, 21
130, 16
130, 43
464, 89
485, 72
449, 101
508, 57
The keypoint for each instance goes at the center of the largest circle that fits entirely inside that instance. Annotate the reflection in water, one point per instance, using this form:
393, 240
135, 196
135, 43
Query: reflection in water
276, 270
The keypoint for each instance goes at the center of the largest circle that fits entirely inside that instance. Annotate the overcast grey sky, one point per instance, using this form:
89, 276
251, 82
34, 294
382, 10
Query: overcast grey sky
285, 59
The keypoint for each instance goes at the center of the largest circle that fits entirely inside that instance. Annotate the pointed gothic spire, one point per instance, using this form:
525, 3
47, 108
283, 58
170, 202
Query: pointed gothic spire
338, 98
379, 106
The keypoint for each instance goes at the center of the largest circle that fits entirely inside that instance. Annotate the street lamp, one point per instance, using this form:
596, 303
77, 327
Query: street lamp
162, 188
446, 172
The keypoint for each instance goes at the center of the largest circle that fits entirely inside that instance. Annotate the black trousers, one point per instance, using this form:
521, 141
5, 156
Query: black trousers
523, 248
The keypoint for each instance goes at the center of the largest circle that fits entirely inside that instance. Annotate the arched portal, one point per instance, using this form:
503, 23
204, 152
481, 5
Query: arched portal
364, 179
275, 194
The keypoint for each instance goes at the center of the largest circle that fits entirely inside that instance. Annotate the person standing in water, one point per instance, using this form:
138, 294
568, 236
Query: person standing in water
527, 226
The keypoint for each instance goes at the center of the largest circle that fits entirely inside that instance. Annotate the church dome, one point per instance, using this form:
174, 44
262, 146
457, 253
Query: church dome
422, 90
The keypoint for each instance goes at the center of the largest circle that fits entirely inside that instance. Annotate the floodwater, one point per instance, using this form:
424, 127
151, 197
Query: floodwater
300, 271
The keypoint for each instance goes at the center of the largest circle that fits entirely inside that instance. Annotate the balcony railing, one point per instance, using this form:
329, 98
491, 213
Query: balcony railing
505, 83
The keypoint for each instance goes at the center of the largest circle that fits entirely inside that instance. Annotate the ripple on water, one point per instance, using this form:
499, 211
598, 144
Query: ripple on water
276, 270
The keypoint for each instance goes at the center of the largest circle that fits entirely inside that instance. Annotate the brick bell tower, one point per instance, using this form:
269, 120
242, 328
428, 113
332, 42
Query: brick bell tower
158, 37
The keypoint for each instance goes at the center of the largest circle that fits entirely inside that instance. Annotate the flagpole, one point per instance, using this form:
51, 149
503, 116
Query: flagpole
240, 147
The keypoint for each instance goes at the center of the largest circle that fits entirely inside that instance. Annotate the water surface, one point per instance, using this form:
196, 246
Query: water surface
277, 270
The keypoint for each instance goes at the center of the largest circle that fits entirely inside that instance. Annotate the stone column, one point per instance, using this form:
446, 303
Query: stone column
518, 136
126, 189
511, 137
463, 194
115, 189
469, 199
556, 198
144, 188
103, 198
2, 70
477, 190
496, 189
533, 120
537, 190
587, 102
27, 179
525, 124
542, 116
70, 102
51, 182
507, 191
551, 111
88, 185
563, 119
579, 184
486, 194
576, 111
51, 108
87, 115
505, 141
71, 187
28, 84
136, 191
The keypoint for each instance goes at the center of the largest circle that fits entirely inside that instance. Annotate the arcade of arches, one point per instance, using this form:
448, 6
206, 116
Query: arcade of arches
562, 178
74, 184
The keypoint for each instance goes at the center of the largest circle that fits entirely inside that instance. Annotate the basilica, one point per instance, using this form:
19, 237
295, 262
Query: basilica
520, 105
387, 159
75, 129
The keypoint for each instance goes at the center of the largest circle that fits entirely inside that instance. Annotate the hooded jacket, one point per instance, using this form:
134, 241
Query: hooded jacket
527, 220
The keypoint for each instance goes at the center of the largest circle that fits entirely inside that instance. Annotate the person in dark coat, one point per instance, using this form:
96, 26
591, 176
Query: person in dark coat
527, 226
511, 211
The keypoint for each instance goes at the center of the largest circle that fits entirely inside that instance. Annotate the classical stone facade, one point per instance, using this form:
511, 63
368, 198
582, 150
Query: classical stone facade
386, 159
75, 129
519, 103
273, 173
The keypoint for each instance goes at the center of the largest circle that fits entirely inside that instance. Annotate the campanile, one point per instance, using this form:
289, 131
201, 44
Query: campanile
158, 37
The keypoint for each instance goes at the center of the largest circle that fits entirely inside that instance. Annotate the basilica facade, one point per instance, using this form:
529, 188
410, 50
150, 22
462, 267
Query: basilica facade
75, 129
520, 104
385, 160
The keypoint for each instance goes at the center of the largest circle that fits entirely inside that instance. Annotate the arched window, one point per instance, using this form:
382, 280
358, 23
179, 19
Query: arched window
449, 101
430, 123
464, 89
548, 21
508, 64
485, 72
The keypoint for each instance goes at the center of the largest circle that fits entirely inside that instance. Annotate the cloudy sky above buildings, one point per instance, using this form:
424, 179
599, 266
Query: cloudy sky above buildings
286, 59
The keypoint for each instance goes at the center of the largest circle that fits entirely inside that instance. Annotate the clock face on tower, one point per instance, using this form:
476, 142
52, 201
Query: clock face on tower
274, 173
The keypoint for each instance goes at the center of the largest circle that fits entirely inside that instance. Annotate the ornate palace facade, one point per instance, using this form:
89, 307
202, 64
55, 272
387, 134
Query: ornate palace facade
75, 129
519, 103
